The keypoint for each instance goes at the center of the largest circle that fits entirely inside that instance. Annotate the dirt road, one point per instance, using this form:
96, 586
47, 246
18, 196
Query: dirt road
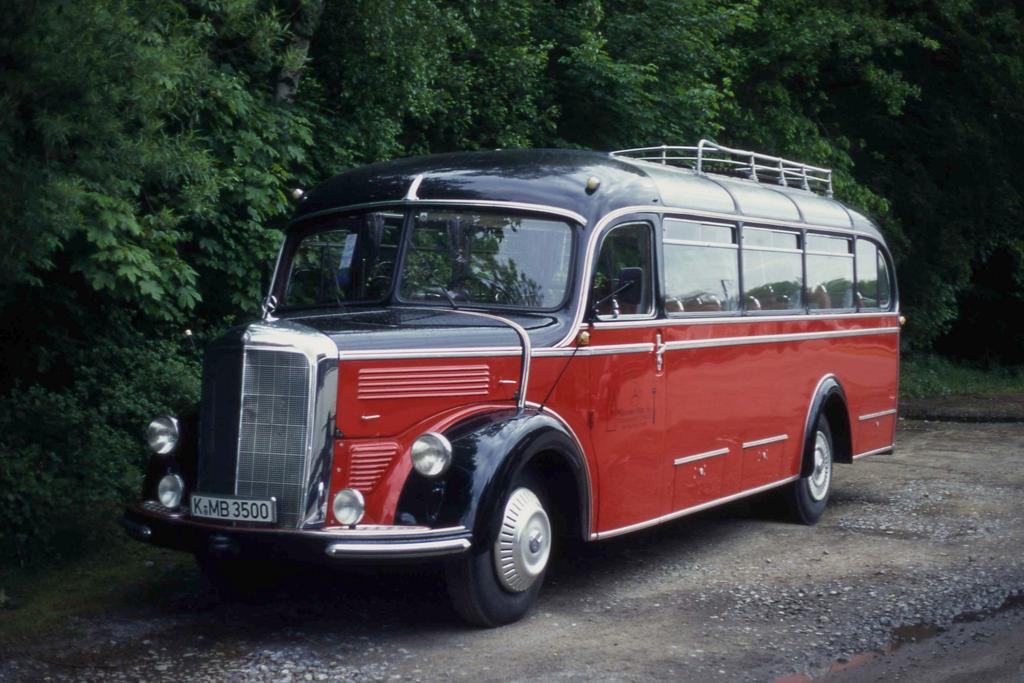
905, 575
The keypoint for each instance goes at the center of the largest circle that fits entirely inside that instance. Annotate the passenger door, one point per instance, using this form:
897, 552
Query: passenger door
627, 413
701, 266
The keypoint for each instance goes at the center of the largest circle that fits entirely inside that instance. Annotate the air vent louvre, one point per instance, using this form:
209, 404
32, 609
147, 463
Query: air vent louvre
424, 382
368, 462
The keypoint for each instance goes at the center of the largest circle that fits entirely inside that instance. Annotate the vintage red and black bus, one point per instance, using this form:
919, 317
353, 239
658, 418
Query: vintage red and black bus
470, 356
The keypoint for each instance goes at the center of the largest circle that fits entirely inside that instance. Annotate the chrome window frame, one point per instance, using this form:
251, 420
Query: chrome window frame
883, 254
800, 233
592, 257
851, 254
734, 226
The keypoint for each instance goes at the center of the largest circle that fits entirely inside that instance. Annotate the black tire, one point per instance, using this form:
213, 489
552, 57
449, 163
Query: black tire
477, 593
807, 497
237, 579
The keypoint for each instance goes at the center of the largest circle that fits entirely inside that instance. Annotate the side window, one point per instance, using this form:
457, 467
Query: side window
829, 272
772, 270
874, 284
884, 283
624, 272
702, 268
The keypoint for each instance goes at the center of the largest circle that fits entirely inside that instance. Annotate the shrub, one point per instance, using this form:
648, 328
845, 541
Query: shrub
71, 454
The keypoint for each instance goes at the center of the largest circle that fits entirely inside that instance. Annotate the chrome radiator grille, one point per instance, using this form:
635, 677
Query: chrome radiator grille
274, 430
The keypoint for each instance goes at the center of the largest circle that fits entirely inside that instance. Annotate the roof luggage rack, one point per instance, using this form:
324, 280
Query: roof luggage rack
710, 157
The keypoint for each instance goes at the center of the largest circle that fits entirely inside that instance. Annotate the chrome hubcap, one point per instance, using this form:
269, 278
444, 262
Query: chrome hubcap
524, 541
821, 476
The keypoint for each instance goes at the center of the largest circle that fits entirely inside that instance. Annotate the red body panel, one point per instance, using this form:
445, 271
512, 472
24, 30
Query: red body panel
634, 421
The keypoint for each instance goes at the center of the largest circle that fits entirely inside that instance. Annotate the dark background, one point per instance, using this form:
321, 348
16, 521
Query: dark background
147, 150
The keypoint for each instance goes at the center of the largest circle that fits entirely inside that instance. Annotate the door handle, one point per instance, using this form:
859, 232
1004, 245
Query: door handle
659, 352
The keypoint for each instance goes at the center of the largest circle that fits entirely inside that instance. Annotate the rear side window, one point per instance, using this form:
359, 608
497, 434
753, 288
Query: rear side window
874, 281
829, 272
772, 270
701, 267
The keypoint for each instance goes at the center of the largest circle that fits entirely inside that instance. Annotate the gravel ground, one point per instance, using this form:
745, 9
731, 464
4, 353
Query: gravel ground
913, 572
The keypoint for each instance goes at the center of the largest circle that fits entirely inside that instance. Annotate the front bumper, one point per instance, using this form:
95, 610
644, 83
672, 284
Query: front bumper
151, 523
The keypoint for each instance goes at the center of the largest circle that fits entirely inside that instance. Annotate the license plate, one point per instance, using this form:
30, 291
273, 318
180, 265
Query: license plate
234, 509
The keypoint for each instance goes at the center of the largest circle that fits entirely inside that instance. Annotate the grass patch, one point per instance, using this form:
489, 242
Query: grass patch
123, 574
934, 376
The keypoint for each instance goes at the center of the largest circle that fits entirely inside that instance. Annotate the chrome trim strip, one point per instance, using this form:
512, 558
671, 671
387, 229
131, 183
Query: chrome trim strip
700, 456
478, 352
778, 250
771, 338
487, 203
723, 224
669, 211
610, 349
828, 253
410, 195
373, 530
877, 451
601, 535
692, 243
765, 441
615, 349
403, 550
495, 352
881, 413
734, 319
328, 535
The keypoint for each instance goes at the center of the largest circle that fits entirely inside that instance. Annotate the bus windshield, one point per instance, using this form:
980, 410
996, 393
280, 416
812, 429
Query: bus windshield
350, 260
484, 258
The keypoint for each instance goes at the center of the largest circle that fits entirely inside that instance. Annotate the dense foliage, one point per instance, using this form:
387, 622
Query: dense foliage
146, 146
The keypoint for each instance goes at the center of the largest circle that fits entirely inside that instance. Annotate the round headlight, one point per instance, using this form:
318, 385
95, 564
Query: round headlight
348, 506
170, 490
431, 454
162, 435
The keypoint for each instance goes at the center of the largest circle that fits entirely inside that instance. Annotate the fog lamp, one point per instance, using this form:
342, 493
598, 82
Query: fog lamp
162, 435
348, 506
170, 491
431, 454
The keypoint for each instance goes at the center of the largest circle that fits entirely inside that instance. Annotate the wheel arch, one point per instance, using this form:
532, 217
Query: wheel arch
828, 399
489, 452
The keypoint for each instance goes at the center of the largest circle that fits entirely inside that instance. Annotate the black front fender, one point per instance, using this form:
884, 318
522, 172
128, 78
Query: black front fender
488, 452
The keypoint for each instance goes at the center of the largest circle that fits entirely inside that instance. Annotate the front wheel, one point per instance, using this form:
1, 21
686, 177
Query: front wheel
808, 496
497, 584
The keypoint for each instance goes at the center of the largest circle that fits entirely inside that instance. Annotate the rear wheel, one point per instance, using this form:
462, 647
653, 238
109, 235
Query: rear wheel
497, 584
808, 496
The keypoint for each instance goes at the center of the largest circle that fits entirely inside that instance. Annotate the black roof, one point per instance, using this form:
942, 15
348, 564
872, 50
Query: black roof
558, 178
